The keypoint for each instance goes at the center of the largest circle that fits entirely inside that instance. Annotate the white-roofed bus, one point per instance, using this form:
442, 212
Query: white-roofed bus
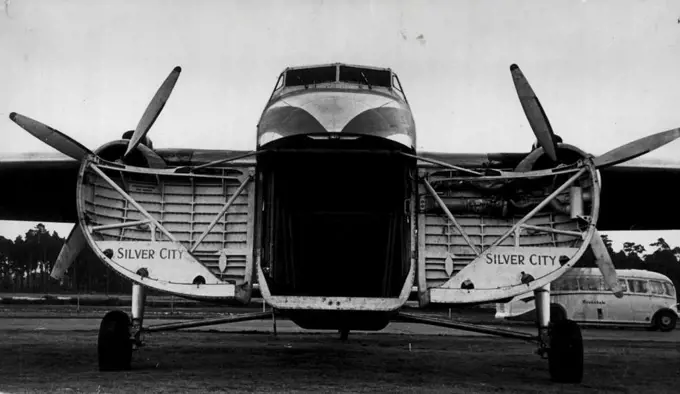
581, 295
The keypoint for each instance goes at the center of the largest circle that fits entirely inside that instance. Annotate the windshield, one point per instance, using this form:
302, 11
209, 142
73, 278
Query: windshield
310, 76
366, 76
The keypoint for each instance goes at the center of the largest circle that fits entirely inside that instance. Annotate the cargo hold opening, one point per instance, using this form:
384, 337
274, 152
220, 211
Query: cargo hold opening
335, 221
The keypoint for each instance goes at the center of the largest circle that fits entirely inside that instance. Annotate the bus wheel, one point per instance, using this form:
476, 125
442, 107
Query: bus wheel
565, 356
666, 321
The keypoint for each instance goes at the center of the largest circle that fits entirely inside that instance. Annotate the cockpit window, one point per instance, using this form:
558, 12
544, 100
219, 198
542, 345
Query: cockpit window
366, 76
310, 76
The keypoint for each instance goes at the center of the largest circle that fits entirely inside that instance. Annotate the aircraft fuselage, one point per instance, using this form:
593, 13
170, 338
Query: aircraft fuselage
332, 225
337, 101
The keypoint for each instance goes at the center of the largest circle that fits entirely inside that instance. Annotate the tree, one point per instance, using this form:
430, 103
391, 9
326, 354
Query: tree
607, 244
660, 244
631, 247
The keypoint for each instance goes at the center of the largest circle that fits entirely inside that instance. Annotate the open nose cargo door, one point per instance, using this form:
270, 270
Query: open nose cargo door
482, 239
189, 234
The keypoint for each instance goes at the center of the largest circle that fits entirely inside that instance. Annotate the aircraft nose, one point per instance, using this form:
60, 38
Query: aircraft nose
335, 112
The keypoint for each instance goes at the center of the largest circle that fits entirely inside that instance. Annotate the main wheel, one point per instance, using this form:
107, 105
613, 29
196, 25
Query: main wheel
114, 348
557, 313
565, 356
666, 321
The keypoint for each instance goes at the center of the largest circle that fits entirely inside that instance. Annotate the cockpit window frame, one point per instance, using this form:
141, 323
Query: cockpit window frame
320, 69
365, 76
280, 83
396, 85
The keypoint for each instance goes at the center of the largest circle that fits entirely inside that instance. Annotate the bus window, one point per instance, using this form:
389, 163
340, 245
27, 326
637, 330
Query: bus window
622, 283
670, 290
558, 284
570, 284
657, 287
638, 286
589, 283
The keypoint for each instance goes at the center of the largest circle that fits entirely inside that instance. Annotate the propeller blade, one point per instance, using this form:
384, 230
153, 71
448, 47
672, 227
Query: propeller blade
605, 264
636, 148
534, 113
51, 137
153, 109
74, 244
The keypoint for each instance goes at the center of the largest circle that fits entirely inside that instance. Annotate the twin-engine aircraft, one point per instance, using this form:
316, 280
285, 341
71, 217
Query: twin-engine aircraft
337, 217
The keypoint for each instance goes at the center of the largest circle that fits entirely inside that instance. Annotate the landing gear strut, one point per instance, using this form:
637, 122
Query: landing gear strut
138, 303
560, 341
119, 334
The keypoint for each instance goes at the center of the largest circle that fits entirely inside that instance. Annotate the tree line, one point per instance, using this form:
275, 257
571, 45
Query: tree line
26, 263
661, 258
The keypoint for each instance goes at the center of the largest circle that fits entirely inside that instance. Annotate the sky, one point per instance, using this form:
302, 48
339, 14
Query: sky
606, 72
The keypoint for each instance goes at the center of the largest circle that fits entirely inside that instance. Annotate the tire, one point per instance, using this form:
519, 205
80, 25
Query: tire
557, 313
665, 320
565, 356
114, 347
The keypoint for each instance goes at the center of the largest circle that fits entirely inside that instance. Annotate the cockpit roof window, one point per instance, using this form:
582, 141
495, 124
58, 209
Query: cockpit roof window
310, 76
366, 76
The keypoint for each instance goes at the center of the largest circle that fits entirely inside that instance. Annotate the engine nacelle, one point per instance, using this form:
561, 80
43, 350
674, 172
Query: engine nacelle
567, 154
142, 156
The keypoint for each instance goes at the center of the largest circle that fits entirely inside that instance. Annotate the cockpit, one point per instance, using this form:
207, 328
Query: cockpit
339, 76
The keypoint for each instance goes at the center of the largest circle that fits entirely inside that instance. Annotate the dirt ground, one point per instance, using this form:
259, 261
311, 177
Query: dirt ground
45, 358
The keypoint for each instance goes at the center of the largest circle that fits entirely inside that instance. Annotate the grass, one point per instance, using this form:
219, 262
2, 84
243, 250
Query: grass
58, 361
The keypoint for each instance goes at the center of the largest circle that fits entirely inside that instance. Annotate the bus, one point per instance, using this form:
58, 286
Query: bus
581, 295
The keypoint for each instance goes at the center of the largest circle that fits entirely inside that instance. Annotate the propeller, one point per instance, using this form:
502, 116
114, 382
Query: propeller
51, 137
636, 148
75, 243
605, 264
153, 110
534, 113
76, 150
547, 139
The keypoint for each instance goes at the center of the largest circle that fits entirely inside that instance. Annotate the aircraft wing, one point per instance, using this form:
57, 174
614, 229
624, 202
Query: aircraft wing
640, 195
636, 195
38, 186
42, 186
